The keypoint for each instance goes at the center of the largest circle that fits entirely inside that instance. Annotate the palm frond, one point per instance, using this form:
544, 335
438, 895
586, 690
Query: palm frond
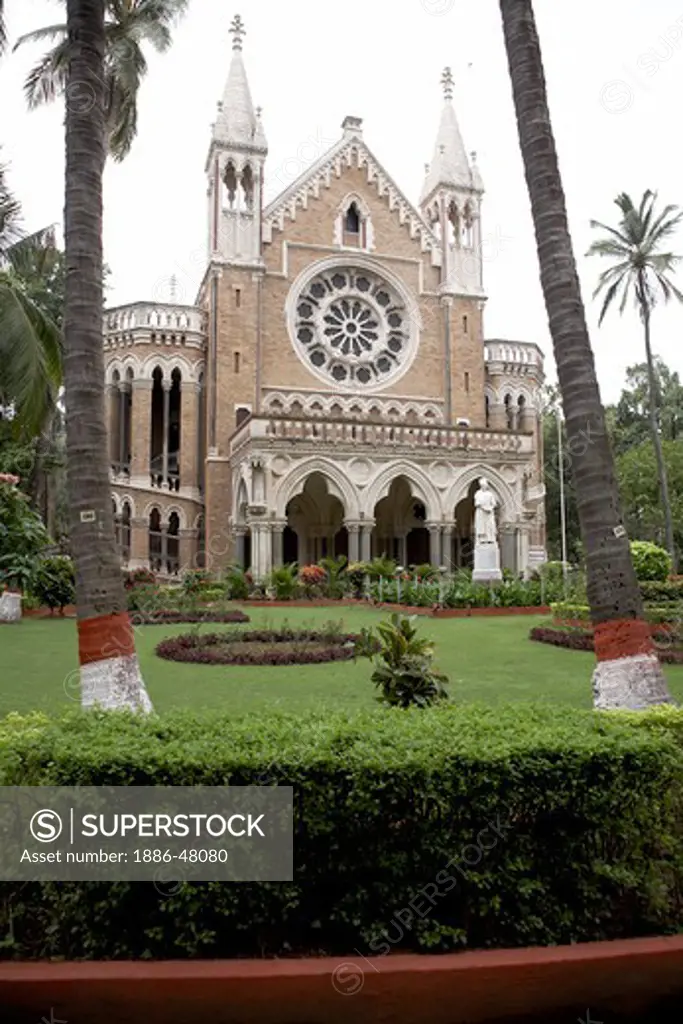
30, 355
50, 32
3, 28
48, 78
10, 216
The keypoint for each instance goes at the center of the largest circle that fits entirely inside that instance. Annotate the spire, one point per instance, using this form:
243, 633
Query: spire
237, 123
449, 164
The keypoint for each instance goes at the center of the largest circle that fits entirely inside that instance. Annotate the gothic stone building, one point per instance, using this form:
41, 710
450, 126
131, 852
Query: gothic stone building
332, 390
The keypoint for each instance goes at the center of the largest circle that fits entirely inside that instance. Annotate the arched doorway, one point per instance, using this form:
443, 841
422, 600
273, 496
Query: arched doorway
400, 526
315, 524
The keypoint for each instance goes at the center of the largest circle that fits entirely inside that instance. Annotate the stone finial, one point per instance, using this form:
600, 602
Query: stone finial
237, 31
447, 83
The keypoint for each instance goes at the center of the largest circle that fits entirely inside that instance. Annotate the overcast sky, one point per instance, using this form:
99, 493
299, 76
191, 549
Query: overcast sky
615, 75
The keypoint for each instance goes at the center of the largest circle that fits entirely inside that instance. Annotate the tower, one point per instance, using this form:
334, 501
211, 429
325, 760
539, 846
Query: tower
235, 167
451, 203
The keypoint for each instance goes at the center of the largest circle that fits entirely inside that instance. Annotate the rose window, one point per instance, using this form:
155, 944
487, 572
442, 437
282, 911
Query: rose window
352, 328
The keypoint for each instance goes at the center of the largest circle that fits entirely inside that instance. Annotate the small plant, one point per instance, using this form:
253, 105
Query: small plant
237, 583
55, 583
195, 581
336, 576
356, 574
312, 578
650, 561
403, 671
138, 578
382, 568
425, 572
283, 580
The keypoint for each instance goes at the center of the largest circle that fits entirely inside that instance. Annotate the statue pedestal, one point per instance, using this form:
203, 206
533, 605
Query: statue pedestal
10, 606
486, 563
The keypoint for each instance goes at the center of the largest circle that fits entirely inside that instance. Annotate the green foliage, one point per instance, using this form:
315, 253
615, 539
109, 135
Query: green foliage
55, 582
22, 538
284, 581
660, 592
236, 584
196, 581
381, 568
650, 561
426, 571
537, 826
356, 574
336, 575
403, 670
671, 614
640, 490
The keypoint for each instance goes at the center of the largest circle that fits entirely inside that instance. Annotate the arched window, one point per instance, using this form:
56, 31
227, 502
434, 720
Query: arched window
230, 183
155, 540
173, 545
247, 179
487, 410
241, 415
353, 220
126, 516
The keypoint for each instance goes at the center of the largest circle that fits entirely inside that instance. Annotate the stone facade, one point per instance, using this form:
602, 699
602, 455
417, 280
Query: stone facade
332, 391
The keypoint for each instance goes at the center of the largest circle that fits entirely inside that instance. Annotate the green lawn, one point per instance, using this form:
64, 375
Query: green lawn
487, 659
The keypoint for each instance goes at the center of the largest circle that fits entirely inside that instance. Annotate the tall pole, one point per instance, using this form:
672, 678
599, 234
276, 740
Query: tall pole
563, 511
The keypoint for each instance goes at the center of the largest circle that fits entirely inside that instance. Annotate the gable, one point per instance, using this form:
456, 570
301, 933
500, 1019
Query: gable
348, 168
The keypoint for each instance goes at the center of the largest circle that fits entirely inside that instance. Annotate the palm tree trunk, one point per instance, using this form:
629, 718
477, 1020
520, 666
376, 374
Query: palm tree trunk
656, 437
110, 674
627, 673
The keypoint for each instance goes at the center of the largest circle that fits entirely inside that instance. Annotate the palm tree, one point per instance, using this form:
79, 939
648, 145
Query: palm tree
627, 673
30, 341
641, 271
3, 30
129, 24
110, 674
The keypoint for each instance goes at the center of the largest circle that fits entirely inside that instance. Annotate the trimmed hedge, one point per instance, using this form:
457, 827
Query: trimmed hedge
659, 592
169, 616
426, 830
671, 614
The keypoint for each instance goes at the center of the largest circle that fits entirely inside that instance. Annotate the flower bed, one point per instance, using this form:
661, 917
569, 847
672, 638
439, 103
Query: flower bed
260, 647
576, 638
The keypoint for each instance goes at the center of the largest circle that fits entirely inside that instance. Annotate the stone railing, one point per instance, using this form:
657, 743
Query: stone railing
271, 430
518, 353
154, 316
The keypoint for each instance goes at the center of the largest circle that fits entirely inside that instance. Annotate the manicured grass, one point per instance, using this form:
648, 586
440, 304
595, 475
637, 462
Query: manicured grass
487, 659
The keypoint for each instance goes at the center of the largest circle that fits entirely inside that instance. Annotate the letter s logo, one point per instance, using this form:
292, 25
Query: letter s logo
46, 826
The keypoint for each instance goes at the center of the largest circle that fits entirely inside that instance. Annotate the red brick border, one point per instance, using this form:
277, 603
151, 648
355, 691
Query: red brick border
627, 975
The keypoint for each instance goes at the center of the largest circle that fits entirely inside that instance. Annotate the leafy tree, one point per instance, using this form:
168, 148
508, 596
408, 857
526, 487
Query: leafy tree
641, 273
639, 486
130, 25
631, 424
624, 676
22, 536
30, 341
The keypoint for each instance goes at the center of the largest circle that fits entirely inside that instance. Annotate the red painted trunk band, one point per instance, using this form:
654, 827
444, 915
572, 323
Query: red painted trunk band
105, 637
622, 638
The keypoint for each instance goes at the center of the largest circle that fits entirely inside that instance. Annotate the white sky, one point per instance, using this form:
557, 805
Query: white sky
615, 76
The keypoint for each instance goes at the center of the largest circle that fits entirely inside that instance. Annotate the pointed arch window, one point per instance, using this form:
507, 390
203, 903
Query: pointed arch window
230, 183
353, 227
353, 220
247, 182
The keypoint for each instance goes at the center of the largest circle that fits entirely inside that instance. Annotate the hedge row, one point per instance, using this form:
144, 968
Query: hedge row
574, 638
656, 615
264, 647
437, 830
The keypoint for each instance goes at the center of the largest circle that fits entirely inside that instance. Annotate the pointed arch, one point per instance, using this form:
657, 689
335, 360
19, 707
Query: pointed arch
338, 484
509, 506
422, 486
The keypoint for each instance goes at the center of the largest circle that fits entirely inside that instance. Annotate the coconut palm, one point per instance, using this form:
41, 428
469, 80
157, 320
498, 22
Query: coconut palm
641, 272
110, 674
30, 342
628, 673
129, 25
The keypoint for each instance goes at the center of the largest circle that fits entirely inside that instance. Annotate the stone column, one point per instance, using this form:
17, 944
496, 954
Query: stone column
141, 430
403, 548
447, 545
278, 529
166, 385
434, 543
523, 551
240, 534
122, 454
353, 530
112, 414
498, 416
366, 541
187, 549
189, 429
139, 544
261, 554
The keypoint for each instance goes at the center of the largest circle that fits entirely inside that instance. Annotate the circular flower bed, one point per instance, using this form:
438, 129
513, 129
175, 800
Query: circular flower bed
667, 644
171, 616
260, 647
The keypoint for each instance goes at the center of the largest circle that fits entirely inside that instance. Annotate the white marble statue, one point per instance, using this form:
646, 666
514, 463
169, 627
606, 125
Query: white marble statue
485, 504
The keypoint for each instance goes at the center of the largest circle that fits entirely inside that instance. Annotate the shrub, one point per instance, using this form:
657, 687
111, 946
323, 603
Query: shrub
382, 568
659, 591
403, 671
22, 537
195, 581
506, 826
335, 569
650, 561
312, 578
426, 571
55, 582
237, 584
138, 578
356, 574
284, 582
